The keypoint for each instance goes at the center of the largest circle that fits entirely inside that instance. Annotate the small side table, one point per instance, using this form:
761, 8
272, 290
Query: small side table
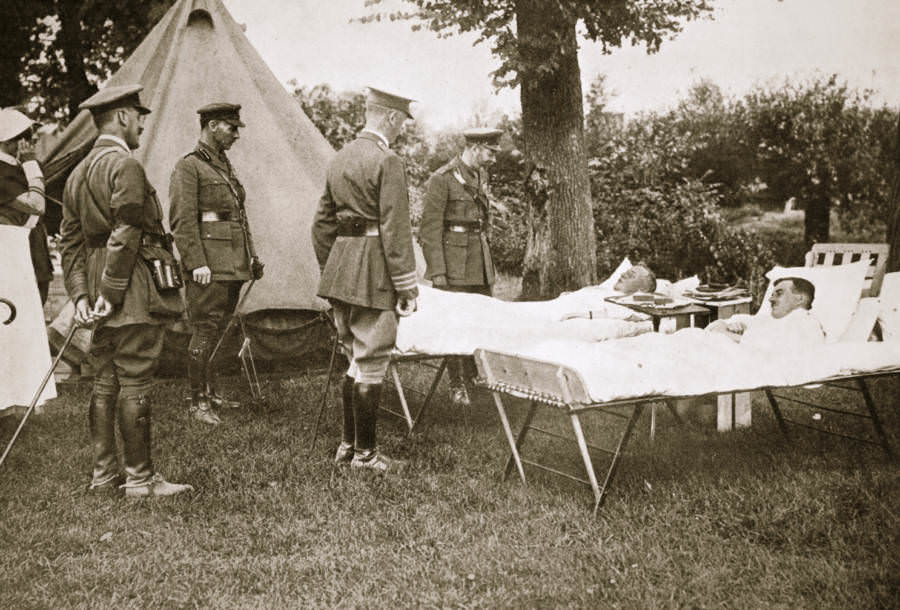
692, 315
724, 309
734, 408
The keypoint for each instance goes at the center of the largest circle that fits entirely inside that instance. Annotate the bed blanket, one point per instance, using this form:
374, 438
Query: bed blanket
450, 323
693, 362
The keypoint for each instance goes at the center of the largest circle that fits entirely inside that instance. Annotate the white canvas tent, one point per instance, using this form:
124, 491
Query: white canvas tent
195, 55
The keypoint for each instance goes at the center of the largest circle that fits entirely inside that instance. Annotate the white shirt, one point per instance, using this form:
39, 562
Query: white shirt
797, 330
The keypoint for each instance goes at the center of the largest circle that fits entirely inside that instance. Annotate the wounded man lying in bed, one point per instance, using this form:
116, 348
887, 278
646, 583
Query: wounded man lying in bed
791, 323
457, 323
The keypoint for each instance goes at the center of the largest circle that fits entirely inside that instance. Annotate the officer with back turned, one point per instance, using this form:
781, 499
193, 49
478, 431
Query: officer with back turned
363, 242
206, 212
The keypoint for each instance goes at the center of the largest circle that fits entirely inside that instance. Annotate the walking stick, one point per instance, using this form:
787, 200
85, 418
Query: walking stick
40, 389
334, 345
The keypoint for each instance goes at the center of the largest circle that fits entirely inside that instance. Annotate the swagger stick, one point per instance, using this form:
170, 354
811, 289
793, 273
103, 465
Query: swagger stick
40, 389
334, 345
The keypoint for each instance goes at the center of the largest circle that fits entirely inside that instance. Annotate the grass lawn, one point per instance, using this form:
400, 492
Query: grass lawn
696, 519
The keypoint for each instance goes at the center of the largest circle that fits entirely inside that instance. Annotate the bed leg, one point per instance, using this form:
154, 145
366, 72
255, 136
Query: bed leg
600, 494
777, 413
431, 390
520, 438
876, 422
395, 376
514, 452
671, 406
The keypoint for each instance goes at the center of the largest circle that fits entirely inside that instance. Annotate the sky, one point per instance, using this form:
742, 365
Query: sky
748, 42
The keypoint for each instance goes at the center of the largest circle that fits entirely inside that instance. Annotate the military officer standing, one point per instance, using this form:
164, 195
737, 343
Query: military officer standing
363, 242
206, 212
453, 230
117, 256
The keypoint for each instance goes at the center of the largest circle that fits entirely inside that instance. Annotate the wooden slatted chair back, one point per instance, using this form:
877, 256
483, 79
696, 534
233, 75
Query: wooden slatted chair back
841, 254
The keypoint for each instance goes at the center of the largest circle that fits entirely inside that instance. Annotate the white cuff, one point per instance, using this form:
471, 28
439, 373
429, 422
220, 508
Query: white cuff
33, 173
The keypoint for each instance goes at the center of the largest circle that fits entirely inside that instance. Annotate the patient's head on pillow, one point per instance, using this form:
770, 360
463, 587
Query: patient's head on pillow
790, 293
638, 278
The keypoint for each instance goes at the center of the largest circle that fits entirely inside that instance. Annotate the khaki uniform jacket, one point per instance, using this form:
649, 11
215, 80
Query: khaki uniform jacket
365, 180
204, 181
108, 206
453, 194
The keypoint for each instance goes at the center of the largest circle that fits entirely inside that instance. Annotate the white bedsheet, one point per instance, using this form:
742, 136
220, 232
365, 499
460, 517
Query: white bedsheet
693, 362
450, 323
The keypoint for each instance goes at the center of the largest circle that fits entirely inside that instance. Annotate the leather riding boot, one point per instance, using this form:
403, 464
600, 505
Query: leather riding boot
344, 452
366, 398
134, 425
102, 424
201, 408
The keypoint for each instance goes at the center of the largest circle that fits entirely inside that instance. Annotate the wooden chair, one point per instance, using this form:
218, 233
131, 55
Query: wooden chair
840, 254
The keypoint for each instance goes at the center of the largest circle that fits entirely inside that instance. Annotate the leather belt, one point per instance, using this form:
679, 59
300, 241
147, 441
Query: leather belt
214, 216
463, 227
357, 227
147, 239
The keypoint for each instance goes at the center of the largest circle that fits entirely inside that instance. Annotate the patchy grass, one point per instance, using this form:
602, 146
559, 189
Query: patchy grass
696, 519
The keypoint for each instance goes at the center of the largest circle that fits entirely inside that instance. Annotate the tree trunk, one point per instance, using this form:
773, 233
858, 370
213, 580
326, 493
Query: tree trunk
561, 249
817, 218
73, 51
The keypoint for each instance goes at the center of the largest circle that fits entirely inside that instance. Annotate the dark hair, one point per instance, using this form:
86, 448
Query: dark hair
804, 287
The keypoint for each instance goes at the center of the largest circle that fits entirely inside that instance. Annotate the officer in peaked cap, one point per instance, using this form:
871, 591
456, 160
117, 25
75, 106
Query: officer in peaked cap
111, 98
453, 230
206, 212
119, 271
22, 191
363, 242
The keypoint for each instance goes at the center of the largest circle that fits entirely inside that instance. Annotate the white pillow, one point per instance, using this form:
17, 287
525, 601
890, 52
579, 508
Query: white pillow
889, 320
837, 292
624, 266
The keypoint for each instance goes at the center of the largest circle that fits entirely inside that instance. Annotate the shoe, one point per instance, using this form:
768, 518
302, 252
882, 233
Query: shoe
220, 402
344, 454
374, 461
110, 487
460, 396
156, 487
202, 411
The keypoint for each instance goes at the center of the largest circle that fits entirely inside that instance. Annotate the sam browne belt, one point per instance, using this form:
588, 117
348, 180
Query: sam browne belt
463, 226
214, 216
355, 226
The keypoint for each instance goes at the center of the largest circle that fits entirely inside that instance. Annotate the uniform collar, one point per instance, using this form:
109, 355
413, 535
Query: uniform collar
378, 135
110, 140
9, 159
212, 153
469, 174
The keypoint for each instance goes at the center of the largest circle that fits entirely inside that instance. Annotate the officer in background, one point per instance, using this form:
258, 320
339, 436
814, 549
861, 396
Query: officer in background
363, 242
120, 272
455, 220
207, 216
22, 191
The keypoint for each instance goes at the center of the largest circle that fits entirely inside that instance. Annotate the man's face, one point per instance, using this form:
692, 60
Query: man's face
225, 134
635, 279
133, 127
785, 299
484, 156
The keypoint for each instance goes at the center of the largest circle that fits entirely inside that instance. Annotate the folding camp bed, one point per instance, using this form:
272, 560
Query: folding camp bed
562, 384
563, 389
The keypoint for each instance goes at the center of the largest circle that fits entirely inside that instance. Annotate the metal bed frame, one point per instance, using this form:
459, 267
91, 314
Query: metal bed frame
558, 386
